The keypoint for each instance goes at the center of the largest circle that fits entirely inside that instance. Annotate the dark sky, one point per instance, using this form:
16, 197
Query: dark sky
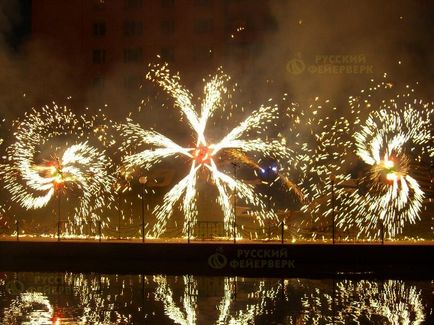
20, 17
385, 32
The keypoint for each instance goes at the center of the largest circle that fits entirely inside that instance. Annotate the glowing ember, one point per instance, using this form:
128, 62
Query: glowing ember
202, 155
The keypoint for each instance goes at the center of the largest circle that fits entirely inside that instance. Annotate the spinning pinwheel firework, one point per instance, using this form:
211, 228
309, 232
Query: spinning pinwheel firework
204, 152
34, 179
393, 142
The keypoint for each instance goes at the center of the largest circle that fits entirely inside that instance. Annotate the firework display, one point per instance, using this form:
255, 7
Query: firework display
365, 173
204, 152
51, 157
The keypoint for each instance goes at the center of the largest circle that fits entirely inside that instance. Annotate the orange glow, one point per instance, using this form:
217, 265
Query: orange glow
202, 154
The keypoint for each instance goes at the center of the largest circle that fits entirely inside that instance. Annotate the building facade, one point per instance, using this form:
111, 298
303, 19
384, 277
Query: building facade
107, 44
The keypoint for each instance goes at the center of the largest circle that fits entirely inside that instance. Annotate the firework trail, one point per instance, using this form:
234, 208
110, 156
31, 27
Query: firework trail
42, 164
394, 143
204, 152
391, 302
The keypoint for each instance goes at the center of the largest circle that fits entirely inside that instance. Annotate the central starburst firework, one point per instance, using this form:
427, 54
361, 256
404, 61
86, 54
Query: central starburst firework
204, 152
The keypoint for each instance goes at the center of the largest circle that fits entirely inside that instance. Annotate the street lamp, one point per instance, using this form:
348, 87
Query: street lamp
142, 181
270, 174
235, 165
333, 179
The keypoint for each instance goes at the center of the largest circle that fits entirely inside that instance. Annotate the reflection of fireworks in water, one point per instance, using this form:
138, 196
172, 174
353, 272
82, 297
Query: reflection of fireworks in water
204, 153
393, 142
365, 302
29, 308
228, 314
95, 306
79, 167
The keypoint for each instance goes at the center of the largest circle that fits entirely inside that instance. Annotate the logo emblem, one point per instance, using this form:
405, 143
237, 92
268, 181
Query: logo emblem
217, 260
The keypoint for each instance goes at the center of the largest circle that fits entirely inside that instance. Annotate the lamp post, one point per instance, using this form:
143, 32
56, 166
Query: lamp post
58, 214
270, 173
142, 181
333, 179
17, 224
382, 230
235, 204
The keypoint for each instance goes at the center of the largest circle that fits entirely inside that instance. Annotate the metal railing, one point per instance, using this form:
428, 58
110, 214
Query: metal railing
201, 231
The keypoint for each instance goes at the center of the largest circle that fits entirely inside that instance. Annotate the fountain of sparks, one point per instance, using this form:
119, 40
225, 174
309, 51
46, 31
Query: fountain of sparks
79, 168
394, 143
203, 154
321, 142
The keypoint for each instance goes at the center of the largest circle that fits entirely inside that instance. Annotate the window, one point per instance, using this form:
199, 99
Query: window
133, 28
99, 29
203, 3
167, 3
132, 82
133, 4
98, 56
167, 27
98, 82
168, 54
202, 53
202, 26
133, 55
98, 4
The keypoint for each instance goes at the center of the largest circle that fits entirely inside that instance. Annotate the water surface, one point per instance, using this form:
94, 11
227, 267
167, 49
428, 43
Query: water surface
75, 298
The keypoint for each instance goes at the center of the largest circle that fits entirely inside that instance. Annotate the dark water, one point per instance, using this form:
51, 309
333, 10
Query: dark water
75, 298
